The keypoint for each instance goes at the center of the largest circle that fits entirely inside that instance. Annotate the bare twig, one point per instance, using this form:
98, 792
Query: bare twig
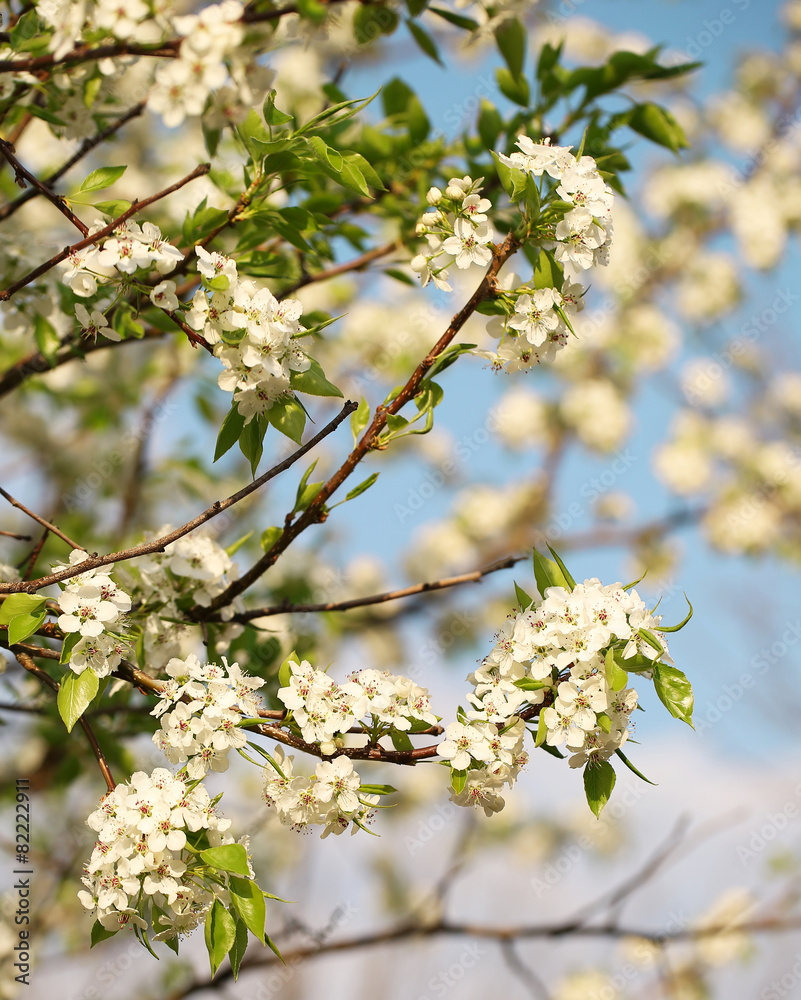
315, 512
357, 264
27, 663
22, 174
391, 595
13, 534
159, 544
136, 207
40, 520
86, 147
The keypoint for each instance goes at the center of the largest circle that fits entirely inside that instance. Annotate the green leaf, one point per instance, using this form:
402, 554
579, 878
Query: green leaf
248, 901
542, 732
401, 742
269, 537
20, 604
599, 780
515, 88
238, 948
675, 692
563, 568
231, 858
490, 124
458, 780
313, 381
529, 684
101, 178
285, 670
21, 626
75, 695
510, 36
360, 418
113, 208
358, 490
416, 7
370, 22
424, 40
547, 273
553, 751
378, 789
549, 57
272, 115
331, 116
548, 574
682, 623
467, 23
99, 933
251, 441
69, 644
523, 600
616, 676
632, 768
658, 125
47, 339
288, 417
235, 546
220, 934
230, 430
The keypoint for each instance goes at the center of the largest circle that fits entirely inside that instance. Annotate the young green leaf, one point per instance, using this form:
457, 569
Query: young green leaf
248, 901
358, 490
20, 604
220, 934
101, 178
675, 692
21, 626
682, 623
510, 36
548, 574
75, 695
238, 948
632, 768
231, 858
599, 780
523, 600
230, 431
313, 381
288, 417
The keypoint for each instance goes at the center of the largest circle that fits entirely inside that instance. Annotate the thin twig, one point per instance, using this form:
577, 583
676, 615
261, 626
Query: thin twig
86, 147
529, 979
357, 264
40, 520
27, 663
407, 931
316, 510
159, 544
22, 174
391, 595
136, 207
19, 538
31, 559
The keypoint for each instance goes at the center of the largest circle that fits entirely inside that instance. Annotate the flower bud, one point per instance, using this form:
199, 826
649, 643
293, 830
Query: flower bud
419, 263
452, 191
434, 196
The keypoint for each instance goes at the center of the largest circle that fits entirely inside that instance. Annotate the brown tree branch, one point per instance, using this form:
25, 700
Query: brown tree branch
159, 544
359, 602
135, 208
40, 520
315, 512
22, 174
13, 534
86, 146
27, 663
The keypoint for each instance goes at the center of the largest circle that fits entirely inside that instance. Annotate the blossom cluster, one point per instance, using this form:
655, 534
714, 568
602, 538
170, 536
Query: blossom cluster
549, 659
192, 570
214, 71
538, 319
254, 336
324, 710
456, 230
139, 859
201, 706
93, 611
330, 798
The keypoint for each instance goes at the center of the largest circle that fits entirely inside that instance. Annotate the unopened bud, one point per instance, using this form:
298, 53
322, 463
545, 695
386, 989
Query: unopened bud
434, 196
